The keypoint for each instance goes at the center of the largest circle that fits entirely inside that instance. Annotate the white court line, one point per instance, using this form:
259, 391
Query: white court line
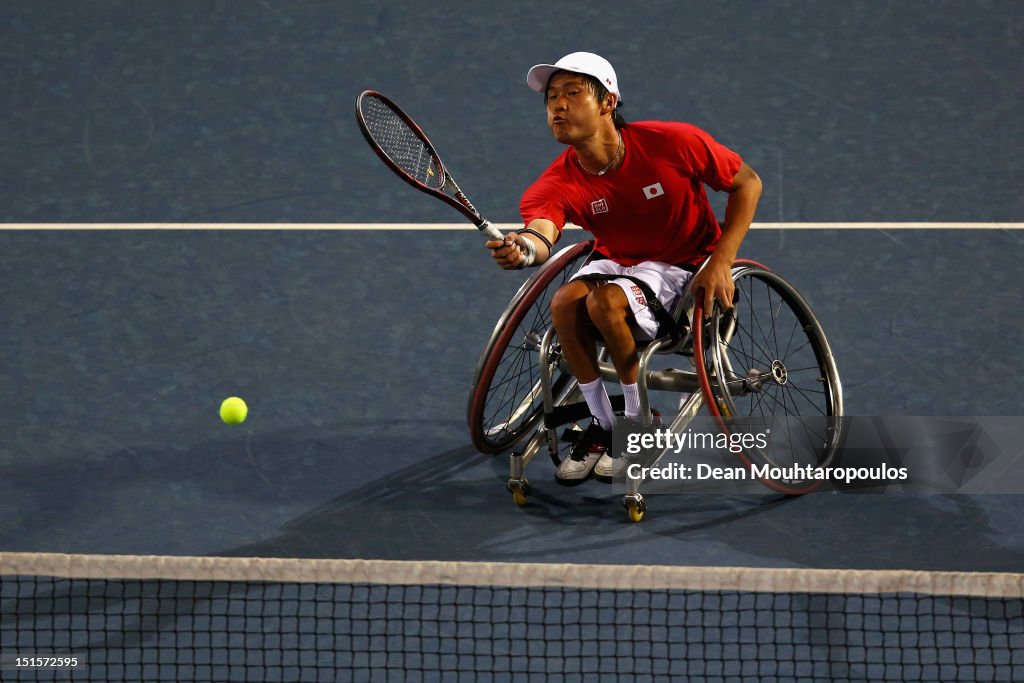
382, 227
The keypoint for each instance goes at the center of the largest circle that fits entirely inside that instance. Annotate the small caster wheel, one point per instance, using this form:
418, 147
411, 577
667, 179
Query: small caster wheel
635, 509
520, 489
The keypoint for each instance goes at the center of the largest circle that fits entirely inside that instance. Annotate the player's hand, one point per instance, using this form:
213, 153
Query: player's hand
714, 283
507, 252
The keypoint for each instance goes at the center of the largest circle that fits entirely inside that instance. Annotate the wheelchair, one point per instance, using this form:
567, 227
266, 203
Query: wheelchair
766, 359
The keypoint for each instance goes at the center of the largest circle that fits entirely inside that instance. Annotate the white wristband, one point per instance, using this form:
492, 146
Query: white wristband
528, 250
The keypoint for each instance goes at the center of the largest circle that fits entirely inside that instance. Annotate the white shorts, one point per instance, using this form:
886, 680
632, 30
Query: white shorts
666, 281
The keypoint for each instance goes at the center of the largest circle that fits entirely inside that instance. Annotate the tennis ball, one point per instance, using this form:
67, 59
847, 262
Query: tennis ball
233, 410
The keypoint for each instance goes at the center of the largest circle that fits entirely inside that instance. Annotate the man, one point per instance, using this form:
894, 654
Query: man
639, 188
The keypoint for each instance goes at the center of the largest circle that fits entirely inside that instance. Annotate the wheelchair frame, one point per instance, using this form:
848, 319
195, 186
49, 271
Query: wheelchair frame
552, 398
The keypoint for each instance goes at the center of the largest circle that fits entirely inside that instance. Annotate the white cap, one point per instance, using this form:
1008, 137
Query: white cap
578, 62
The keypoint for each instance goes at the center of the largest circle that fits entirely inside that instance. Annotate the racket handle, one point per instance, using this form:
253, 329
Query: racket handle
492, 232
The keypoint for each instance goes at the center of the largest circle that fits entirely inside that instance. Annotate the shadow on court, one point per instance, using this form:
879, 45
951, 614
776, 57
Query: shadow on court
453, 506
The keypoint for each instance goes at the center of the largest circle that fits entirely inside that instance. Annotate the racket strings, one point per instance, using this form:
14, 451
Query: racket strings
400, 142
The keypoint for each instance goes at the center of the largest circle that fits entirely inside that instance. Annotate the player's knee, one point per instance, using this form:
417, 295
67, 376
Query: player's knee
567, 303
606, 306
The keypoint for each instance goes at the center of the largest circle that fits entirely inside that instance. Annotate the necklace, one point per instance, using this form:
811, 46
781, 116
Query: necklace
611, 163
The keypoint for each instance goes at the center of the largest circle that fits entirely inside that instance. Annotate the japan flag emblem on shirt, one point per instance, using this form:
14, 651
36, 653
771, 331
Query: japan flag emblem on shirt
655, 190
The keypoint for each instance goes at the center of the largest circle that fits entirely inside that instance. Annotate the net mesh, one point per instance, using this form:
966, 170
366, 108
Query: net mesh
399, 142
238, 619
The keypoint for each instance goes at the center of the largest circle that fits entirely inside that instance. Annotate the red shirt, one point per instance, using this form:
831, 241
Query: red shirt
653, 207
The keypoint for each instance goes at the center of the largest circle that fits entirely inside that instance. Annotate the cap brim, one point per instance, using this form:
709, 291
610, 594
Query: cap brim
538, 76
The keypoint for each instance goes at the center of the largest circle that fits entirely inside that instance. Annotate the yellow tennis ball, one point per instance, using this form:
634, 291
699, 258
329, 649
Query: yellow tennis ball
233, 410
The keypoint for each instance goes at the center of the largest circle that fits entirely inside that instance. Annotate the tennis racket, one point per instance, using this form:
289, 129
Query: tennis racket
405, 149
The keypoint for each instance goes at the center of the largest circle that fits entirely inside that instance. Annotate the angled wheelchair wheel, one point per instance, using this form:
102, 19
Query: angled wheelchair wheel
506, 402
766, 367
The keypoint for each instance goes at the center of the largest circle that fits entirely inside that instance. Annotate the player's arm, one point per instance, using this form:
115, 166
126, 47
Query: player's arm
716, 278
537, 238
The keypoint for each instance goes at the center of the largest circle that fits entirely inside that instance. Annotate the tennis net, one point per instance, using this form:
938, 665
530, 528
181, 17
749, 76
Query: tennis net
135, 618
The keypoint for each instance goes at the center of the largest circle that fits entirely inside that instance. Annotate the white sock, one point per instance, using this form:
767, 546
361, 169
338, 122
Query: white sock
599, 403
632, 396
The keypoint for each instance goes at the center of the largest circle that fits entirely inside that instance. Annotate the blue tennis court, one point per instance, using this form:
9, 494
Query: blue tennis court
357, 443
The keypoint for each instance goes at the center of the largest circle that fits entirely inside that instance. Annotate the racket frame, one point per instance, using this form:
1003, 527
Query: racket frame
454, 196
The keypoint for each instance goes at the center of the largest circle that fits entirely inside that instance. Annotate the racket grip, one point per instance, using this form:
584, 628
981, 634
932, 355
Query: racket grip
492, 232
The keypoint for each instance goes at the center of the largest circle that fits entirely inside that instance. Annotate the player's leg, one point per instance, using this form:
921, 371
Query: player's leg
572, 321
624, 317
609, 310
574, 310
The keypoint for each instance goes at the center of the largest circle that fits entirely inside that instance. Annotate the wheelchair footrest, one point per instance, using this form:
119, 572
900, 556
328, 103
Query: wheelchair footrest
574, 412
570, 435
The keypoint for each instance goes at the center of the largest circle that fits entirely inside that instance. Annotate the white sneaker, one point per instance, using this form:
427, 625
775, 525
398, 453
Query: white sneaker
608, 467
578, 467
